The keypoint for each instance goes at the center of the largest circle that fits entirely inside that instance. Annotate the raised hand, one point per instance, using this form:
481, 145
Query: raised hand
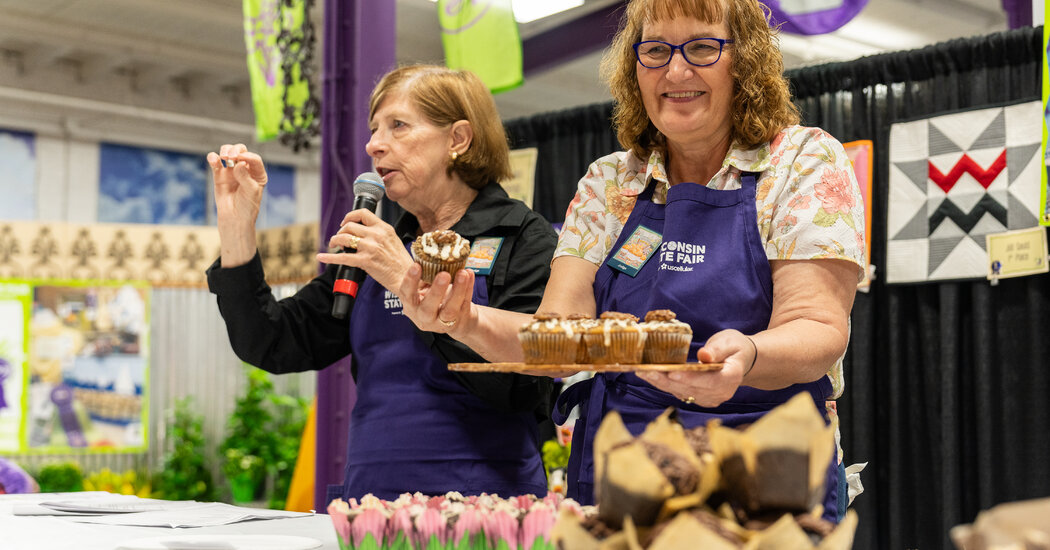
238, 191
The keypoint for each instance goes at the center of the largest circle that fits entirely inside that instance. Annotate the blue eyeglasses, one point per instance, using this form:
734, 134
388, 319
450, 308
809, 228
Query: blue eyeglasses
700, 52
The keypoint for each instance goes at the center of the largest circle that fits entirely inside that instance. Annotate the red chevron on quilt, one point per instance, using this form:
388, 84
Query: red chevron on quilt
954, 179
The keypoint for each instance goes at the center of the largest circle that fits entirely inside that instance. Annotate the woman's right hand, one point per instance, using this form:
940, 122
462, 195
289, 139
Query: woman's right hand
238, 194
445, 306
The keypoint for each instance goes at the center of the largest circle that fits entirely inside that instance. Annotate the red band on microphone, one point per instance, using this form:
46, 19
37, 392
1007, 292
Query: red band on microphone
344, 286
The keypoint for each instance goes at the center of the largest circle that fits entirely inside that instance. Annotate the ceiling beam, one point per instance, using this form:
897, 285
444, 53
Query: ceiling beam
571, 39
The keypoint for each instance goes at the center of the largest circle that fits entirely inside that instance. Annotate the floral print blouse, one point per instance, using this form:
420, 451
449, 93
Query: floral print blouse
808, 200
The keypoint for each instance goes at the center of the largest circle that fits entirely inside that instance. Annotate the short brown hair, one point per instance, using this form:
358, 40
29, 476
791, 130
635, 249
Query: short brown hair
761, 105
445, 96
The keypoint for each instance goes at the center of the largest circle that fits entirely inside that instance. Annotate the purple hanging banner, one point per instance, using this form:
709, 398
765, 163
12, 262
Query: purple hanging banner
813, 16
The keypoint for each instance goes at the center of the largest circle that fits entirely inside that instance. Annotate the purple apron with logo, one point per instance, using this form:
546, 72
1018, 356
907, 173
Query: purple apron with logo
712, 271
415, 427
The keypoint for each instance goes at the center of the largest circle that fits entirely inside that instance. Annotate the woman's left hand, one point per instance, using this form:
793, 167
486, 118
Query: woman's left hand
379, 251
709, 388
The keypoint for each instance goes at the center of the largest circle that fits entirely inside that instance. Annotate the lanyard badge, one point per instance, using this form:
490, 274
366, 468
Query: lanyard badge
636, 250
483, 252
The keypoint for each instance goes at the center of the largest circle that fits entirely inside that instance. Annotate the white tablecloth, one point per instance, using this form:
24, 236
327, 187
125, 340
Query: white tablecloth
62, 533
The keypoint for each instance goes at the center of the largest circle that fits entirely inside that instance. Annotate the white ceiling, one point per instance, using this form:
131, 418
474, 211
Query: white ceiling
87, 64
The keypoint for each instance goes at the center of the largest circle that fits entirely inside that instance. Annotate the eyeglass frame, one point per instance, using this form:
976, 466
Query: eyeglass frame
681, 49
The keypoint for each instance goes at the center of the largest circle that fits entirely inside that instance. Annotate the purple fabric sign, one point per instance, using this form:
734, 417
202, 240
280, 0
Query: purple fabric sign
813, 16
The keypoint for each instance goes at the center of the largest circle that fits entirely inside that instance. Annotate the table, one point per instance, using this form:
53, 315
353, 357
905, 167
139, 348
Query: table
62, 533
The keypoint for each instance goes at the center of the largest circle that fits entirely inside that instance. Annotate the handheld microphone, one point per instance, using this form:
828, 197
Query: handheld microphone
368, 189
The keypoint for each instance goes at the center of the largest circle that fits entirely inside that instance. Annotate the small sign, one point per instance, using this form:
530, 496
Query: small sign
636, 250
523, 175
483, 254
1016, 253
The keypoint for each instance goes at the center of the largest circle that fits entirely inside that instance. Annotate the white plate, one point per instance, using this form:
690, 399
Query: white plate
221, 542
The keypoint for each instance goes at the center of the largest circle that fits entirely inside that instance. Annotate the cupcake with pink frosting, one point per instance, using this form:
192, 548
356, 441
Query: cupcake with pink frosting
368, 530
399, 530
501, 528
468, 531
536, 527
431, 530
339, 510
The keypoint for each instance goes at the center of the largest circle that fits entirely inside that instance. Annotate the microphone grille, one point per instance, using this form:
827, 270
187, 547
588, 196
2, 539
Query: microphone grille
369, 184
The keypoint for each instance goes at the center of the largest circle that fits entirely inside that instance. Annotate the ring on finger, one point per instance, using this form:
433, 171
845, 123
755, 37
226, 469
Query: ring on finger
354, 240
448, 324
690, 400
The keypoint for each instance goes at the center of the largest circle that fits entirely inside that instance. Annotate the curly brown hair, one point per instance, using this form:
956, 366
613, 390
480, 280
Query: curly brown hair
761, 105
445, 96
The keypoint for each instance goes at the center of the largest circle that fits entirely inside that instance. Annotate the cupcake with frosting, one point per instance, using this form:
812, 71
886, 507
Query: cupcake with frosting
549, 340
667, 339
442, 250
581, 323
617, 338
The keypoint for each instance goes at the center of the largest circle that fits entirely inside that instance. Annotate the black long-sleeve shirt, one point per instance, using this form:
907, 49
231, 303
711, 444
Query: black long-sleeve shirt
299, 333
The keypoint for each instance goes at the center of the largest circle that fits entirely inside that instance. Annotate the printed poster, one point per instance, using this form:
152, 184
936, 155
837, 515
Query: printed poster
84, 366
15, 302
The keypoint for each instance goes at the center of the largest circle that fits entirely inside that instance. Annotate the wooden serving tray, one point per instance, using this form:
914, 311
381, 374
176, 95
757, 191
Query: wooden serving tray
561, 370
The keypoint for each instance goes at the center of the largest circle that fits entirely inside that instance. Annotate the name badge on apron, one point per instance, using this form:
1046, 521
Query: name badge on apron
636, 250
483, 254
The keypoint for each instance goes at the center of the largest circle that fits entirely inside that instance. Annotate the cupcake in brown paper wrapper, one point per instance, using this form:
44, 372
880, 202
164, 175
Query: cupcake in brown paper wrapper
442, 250
675, 489
549, 340
1021, 524
779, 462
581, 323
617, 338
666, 338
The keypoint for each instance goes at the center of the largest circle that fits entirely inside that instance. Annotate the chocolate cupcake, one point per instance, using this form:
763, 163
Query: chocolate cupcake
437, 251
549, 340
617, 338
667, 339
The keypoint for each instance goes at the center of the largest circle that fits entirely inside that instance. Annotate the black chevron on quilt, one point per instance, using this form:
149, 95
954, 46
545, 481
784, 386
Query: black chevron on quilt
967, 220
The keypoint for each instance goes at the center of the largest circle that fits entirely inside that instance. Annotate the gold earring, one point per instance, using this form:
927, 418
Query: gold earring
454, 155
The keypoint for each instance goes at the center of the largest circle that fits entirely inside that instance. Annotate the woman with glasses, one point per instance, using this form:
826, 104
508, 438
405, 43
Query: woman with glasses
759, 224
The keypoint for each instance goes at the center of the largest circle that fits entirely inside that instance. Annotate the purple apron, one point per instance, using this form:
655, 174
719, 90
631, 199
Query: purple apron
414, 427
712, 271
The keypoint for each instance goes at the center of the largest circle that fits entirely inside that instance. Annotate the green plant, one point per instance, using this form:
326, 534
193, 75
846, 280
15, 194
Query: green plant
290, 413
128, 483
62, 477
250, 442
185, 475
555, 455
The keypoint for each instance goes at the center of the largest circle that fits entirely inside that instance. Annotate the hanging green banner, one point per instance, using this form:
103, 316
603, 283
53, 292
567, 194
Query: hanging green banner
264, 21
482, 36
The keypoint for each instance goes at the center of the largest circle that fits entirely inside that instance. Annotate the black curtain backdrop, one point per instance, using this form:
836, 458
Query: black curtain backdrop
948, 384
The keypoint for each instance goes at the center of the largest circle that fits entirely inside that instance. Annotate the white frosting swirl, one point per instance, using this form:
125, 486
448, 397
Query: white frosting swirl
454, 251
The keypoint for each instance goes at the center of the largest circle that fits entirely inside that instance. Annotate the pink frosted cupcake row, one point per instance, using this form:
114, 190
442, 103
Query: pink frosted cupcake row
447, 522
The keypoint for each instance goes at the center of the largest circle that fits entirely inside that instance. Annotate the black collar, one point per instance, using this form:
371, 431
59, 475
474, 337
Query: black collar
492, 208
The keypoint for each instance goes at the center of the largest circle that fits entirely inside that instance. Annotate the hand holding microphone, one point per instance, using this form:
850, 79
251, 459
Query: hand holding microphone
368, 189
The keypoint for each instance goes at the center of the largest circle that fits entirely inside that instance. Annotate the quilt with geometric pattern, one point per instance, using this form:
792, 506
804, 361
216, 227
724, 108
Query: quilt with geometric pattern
954, 179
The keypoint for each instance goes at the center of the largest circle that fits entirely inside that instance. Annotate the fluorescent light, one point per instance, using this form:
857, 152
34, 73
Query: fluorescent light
531, 10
